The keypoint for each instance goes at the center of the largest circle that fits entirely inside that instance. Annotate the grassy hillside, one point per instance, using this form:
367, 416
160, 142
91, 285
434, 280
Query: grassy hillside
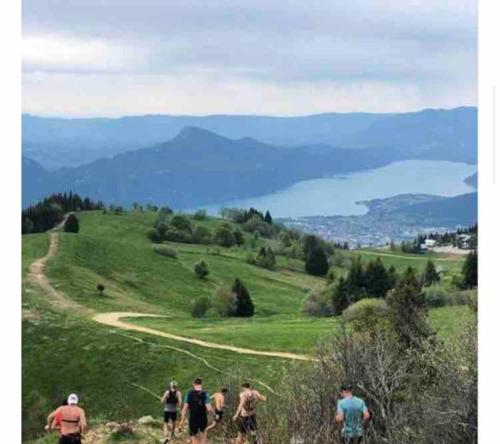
64, 351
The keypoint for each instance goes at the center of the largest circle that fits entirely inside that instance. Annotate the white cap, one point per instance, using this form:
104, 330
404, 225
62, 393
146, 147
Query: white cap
72, 399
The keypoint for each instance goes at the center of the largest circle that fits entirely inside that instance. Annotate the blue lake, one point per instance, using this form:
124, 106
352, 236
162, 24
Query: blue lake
338, 195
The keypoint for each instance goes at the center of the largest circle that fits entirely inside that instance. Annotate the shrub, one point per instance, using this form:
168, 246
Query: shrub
239, 238
266, 259
202, 235
200, 215
224, 236
181, 223
71, 224
244, 304
165, 250
256, 224
462, 297
250, 259
153, 235
201, 269
175, 235
317, 304
436, 296
200, 307
367, 315
330, 276
473, 302
100, 288
224, 302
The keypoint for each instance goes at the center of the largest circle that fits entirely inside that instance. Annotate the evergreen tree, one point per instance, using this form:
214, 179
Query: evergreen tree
201, 269
268, 218
377, 279
244, 304
356, 282
71, 224
430, 274
316, 262
469, 270
392, 276
408, 310
340, 296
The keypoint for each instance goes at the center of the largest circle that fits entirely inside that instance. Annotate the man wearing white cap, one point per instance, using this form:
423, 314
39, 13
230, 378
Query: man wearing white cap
72, 420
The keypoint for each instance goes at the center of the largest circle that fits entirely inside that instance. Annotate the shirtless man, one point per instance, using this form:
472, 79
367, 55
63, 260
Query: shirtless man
220, 400
72, 421
247, 414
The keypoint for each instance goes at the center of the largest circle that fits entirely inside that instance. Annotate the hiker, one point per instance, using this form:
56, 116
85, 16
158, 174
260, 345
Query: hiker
54, 419
353, 414
172, 398
73, 423
246, 413
220, 400
197, 402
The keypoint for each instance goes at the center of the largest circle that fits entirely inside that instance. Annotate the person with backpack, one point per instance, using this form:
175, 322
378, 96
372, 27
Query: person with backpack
247, 413
172, 399
72, 420
197, 403
220, 401
353, 414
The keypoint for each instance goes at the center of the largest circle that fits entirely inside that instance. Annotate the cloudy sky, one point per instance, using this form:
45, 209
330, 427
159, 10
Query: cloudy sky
282, 57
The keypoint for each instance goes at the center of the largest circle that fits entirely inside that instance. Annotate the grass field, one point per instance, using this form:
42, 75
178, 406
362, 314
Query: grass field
65, 352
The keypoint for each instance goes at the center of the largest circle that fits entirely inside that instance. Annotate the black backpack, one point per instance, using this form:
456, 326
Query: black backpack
196, 402
172, 397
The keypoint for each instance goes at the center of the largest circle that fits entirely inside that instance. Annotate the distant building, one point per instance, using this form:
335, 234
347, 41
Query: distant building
430, 243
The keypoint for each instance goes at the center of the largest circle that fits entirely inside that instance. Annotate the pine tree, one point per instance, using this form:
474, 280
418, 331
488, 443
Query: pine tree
340, 296
244, 304
469, 270
408, 310
71, 224
430, 274
356, 282
377, 279
268, 218
317, 262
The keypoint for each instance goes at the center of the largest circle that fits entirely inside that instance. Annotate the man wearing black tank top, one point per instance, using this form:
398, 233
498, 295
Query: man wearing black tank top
172, 398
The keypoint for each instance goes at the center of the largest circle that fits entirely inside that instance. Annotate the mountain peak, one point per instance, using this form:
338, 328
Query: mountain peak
197, 134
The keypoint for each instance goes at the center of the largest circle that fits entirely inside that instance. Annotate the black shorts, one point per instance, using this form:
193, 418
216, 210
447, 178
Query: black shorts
74, 438
170, 416
356, 440
197, 425
247, 424
219, 415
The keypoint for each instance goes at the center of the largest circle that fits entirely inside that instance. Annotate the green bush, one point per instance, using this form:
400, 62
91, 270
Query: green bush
202, 235
266, 259
473, 301
224, 302
201, 269
153, 235
165, 250
367, 315
181, 223
462, 297
200, 307
224, 236
71, 224
175, 235
256, 224
317, 304
250, 259
436, 296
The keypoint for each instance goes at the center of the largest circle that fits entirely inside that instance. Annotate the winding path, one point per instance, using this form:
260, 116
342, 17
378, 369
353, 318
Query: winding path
59, 300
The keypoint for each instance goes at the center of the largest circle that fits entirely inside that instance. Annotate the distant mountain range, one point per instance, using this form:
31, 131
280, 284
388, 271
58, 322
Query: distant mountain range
428, 134
198, 167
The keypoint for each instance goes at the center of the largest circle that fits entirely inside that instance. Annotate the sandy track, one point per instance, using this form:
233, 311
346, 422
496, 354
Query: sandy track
37, 276
114, 320
58, 299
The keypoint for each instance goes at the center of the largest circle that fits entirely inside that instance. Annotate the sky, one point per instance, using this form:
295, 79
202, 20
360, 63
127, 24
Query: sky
127, 57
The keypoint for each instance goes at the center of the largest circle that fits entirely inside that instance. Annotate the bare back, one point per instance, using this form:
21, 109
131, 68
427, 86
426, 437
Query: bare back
220, 400
72, 419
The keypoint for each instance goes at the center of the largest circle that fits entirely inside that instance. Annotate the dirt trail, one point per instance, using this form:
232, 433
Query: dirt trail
37, 276
398, 256
114, 320
59, 300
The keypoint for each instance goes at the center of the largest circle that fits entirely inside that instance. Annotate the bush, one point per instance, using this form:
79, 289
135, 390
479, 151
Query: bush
71, 224
224, 302
224, 236
239, 238
256, 224
250, 259
200, 307
181, 223
175, 235
244, 304
367, 315
201, 269
200, 215
100, 288
436, 296
317, 304
330, 276
164, 250
473, 301
462, 297
202, 235
162, 228
266, 259
153, 235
